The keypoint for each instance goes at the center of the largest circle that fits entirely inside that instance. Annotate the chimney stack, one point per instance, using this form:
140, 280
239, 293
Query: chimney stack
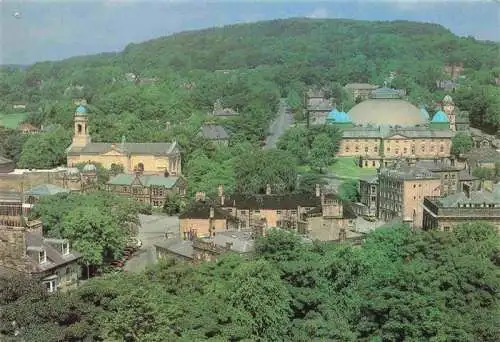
318, 190
212, 212
268, 189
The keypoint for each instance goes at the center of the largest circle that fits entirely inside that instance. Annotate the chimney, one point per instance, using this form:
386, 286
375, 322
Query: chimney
318, 190
212, 212
268, 189
220, 190
467, 190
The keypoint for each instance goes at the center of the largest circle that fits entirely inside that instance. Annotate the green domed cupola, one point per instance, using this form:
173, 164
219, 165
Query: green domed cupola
440, 121
340, 119
81, 111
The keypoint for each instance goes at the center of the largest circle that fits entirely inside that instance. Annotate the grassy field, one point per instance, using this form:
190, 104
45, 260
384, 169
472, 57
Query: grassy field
345, 167
12, 120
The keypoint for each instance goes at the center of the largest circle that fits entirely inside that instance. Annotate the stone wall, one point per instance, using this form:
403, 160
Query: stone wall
12, 248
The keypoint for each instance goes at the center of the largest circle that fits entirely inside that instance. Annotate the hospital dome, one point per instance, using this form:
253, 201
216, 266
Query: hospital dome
386, 107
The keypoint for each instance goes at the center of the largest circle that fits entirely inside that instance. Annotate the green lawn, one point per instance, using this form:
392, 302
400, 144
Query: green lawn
345, 167
12, 120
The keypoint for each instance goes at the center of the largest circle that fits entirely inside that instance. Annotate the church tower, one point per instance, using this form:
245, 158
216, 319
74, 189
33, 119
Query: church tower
81, 135
449, 109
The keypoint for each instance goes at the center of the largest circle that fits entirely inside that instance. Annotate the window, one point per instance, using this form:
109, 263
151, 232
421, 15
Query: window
347, 148
42, 257
414, 186
68, 274
50, 285
441, 148
432, 148
243, 212
366, 149
256, 211
422, 148
278, 211
388, 150
446, 229
79, 128
156, 204
356, 148
405, 150
373, 163
140, 167
124, 188
375, 149
293, 212
374, 198
65, 248
397, 151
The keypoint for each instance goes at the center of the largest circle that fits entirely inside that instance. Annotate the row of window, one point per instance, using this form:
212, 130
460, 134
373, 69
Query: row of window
396, 151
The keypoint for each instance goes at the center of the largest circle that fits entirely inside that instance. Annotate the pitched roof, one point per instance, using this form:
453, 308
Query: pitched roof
161, 149
272, 202
145, 180
241, 242
214, 132
55, 258
201, 210
5, 160
45, 189
177, 246
476, 197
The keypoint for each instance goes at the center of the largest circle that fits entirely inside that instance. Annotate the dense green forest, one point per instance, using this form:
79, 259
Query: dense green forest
249, 67
400, 286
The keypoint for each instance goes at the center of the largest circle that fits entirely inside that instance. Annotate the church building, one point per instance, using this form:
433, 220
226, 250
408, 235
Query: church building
147, 158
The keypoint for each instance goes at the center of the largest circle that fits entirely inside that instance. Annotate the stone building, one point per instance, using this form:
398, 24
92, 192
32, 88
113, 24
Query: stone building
149, 189
154, 158
27, 128
202, 219
368, 192
25, 251
385, 128
361, 91
401, 191
215, 133
317, 106
443, 213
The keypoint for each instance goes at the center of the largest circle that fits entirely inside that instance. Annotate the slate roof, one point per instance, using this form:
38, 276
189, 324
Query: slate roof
45, 189
358, 132
214, 132
146, 180
241, 241
160, 149
272, 202
180, 247
482, 155
201, 210
54, 257
347, 211
476, 197
407, 172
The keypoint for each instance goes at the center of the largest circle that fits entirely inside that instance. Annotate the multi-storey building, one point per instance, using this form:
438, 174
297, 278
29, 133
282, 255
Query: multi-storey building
368, 193
385, 128
25, 251
317, 106
149, 189
402, 189
443, 213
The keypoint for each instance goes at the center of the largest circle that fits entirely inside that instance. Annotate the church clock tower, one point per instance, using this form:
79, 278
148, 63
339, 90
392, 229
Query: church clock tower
449, 109
81, 135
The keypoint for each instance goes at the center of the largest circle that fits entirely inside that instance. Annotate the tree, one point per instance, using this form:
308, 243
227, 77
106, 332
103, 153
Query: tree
296, 141
174, 204
322, 150
348, 190
45, 150
308, 181
484, 173
461, 143
256, 168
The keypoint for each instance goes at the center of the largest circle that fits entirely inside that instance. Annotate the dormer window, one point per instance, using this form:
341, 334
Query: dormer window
42, 256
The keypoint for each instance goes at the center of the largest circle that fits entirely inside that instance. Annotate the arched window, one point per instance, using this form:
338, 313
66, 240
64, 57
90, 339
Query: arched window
140, 167
79, 128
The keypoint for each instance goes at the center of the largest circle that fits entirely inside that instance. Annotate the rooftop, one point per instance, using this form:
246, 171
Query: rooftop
214, 132
45, 190
201, 210
482, 196
144, 180
241, 241
127, 148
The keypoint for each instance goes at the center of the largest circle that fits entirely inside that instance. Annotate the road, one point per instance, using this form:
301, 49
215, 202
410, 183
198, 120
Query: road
151, 231
283, 120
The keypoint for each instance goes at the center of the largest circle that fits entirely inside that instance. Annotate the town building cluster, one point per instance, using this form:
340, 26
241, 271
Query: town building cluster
418, 181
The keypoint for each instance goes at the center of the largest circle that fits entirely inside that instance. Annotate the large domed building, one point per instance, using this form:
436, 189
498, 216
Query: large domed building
386, 127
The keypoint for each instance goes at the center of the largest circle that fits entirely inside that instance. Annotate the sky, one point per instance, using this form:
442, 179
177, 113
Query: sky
53, 30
